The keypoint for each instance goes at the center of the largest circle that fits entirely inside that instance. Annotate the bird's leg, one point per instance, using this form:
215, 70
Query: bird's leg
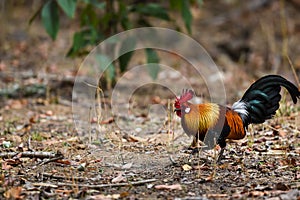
222, 141
194, 146
194, 143
220, 156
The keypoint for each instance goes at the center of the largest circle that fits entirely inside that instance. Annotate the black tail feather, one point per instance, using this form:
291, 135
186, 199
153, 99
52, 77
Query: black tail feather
263, 96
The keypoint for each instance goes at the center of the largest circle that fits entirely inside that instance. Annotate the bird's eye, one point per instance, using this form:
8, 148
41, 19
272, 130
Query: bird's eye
187, 109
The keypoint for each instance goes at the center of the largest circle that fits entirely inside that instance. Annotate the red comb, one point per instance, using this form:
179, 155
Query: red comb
185, 96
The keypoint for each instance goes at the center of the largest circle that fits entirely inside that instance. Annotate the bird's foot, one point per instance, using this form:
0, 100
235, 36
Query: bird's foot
191, 150
219, 160
194, 150
220, 156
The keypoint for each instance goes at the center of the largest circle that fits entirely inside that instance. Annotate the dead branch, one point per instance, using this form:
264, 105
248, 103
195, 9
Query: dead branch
75, 178
30, 154
108, 185
51, 160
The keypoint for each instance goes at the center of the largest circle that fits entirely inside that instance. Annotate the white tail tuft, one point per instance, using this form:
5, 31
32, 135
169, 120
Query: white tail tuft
240, 107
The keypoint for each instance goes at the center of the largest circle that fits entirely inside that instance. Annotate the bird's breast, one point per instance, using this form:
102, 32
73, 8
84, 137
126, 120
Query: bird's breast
200, 118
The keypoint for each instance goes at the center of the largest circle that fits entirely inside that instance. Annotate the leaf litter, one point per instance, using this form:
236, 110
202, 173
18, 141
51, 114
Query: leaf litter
259, 167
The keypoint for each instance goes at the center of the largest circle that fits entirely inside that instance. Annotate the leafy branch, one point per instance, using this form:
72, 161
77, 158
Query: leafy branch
100, 19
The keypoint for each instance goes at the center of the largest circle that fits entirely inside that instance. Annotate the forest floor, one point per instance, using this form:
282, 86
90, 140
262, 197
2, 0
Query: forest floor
44, 156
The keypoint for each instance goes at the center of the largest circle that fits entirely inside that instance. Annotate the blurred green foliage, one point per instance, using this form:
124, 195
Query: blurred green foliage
102, 19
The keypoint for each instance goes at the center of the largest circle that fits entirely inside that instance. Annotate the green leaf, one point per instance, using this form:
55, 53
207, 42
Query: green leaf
77, 44
126, 24
50, 18
106, 21
104, 62
123, 15
186, 15
95, 3
78, 41
82, 39
89, 17
200, 3
124, 59
142, 22
68, 6
152, 9
175, 4
152, 60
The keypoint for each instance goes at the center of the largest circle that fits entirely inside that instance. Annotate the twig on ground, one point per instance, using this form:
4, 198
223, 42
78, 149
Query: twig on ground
31, 154
53, 176
29, 143
172, 160
108, 185
75, 178
51, 160
96, 186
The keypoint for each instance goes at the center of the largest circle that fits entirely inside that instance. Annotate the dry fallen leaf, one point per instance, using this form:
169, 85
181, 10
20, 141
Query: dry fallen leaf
108, 121
49, 113
16, 139
201, 167
2, 66
54, 141
281, 186
132, 138
186, 167
119, 178
169, 187
127, 166
45, 135
124, 194
81, 146
13, 193
16, 104
94, 120
161, 138
34, 119
5, 166
105, 197
217, 196
209, 178
256, 193
282, 133
66, 192
156, 100
13, 162
297, 175
64, 162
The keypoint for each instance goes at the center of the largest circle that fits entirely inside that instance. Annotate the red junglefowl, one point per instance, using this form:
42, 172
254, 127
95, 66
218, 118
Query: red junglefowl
209, 120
